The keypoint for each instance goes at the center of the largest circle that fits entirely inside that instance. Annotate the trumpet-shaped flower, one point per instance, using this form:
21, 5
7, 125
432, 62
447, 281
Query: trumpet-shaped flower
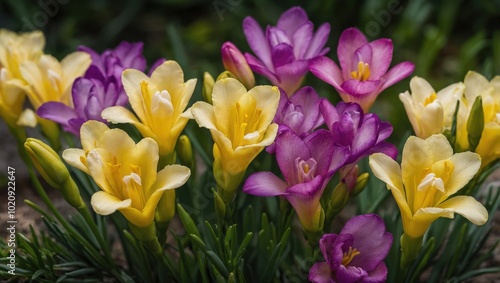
364, 68
100, 88
430, 112
284, 51
235, 62
356, 254
11, 98
363, 134
429, 175
125, 171
307, 166
158, 101
240, 122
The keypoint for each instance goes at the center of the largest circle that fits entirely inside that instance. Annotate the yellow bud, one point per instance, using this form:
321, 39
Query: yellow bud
165, 210
340, 195
360, 184
220, 205
475, 123
225, 75
185, 152
208, 86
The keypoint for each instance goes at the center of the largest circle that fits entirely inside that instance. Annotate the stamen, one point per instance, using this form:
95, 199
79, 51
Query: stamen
349, 256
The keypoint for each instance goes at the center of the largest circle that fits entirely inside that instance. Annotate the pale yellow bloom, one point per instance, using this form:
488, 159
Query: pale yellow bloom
158, 101
430, 112
11, 98
125, 171
18, 48
429, 175
240, 122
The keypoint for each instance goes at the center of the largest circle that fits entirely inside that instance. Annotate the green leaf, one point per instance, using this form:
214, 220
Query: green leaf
187, 221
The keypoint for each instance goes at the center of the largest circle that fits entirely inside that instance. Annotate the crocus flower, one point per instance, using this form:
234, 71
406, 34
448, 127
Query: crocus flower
235, 62
284, 51
240, 122
430, 112
307, 166
362, 133
300, 113
125, 172
100, 88
356, 254
429, 175
363, 72
158, 101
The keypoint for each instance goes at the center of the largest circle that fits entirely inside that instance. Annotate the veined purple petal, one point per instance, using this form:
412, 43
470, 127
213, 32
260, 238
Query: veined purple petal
291, 75
277, 36
258, 67
378, 275
329, 112
320, 273
309, 101
264, 184
93, 109
130, 55
344, 130
318, 42
82, 87
384, 147
74, 126
370, 239
384, 131
325, 69
291, 20
56, 111
396, 74
289, 147
365, 138
257, 41
302, 39
350, 274
282, 54
304, 197
357, 88
350, 40
320, 144
363, 54
381, 57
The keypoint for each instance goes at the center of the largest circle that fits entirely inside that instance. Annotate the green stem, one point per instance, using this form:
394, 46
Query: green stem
90, 221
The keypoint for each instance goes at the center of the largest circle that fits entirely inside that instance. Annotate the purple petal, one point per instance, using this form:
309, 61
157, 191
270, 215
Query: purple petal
384, 131
96, 58
290, 75
264, 184
80, 92
56, 111
257, 41
357, 88
350, 273
291, 20
74, 126
318, 41
326, 70
378, 275
329, 113
93, 109
320, 144
130, 55
363, 54
305, 197
302, 39
370, 239
308, 99
350, 40
384, 147
94, 72
339, 158
320, 273
258, 67
289, 147
365, 138
276, 36
381, 57
282, 54
344, 130
397, 73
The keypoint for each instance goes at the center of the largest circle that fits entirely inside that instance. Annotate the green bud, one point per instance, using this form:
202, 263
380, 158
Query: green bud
220, 205
339, 198
475, 123
208, 86
361, 182
410, 247
147, 236
165, 210
185, 152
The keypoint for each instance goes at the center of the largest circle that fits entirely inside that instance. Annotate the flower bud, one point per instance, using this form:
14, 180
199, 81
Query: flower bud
208, 86
361, 182
225, 75
54, 172
165, 210
235, 62
475, 123
185, 152
340, 195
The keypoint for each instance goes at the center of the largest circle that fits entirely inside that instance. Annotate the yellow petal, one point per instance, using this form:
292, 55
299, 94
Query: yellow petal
27, 118
131, 80
171, 177
105, 204
226, 93
120, 114
168, 76
432, 120
416, 157
489, 145
145, 156
466, 165
422, 220
74, 65
91, 134
74, 158
267, 98
439, 146
468, 207
95, 164
475, 85
118, 143
420, 89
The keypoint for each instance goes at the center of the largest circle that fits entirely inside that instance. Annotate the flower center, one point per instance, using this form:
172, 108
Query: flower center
349, 256
430, 99
133, 187
306, 170
433, 185
246, 122
363, 72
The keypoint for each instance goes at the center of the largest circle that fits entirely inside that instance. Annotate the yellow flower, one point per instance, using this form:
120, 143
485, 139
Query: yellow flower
477, 85
430, 112
158, 101
126, 172
241, 125
11, 98
429, 174
18, 48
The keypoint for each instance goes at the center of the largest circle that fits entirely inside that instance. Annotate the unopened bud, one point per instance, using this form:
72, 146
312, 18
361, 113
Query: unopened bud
165, 209
235, 62
208, 86
361, 182
185, 152
225, 75
475, 123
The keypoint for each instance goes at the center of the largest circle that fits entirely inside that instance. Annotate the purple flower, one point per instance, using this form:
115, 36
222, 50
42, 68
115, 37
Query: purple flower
363, 134
234, 61
363, 71
284, 51
307, 166
356, 254
300, 113
100, 87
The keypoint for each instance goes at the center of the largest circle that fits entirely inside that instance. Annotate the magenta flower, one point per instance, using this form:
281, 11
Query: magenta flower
234, 61
284, 51
363, 72
100, 87
300, 113
307, 166
356, 254
363, 134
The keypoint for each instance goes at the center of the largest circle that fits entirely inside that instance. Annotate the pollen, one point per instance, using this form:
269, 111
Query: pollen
363, 73
349, 256
430, 99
